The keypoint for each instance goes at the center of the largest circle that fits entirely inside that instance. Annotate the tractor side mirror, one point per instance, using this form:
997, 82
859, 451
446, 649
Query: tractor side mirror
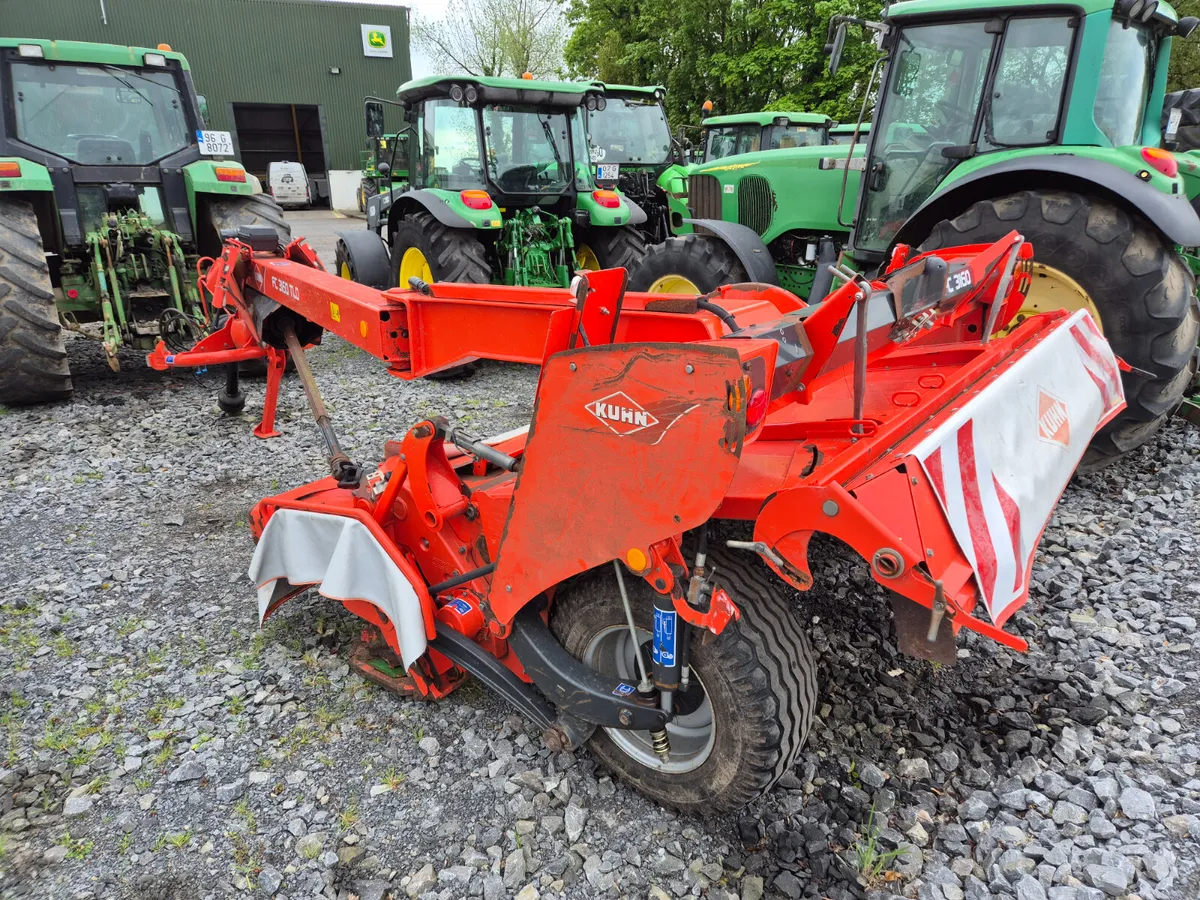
836, 48
1186, 26
202, 102
373, 112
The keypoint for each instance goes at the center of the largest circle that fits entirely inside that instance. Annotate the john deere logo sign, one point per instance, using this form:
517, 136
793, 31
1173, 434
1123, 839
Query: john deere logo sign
377, 40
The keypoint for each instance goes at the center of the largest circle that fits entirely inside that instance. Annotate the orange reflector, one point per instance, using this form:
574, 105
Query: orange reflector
166, 47
607, 199
528, 76
1162, 160
10, 169
225, 173
636, 559
475, 199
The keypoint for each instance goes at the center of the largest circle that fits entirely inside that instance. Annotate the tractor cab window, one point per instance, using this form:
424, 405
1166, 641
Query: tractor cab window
1023, 105
780, 137
1126, 76
98, 115
528, 149
731, 140
449, 147
629, 131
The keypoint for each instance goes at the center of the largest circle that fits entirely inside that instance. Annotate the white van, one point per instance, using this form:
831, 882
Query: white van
288, 183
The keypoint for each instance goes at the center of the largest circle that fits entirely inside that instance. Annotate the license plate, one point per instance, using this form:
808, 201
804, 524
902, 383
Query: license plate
608, 171
215, 143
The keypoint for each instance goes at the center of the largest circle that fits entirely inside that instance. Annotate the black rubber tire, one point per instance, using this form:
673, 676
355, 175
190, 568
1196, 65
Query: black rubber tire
231, 405
1143, 289
453, 255
615, 248
705, 261
760, 675
33, 355
367, 188
228, 213
365, 258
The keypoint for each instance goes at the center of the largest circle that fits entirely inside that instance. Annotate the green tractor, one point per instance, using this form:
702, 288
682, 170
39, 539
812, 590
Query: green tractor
501, 189
844, 133
631, 150
990, 117
386, 148
111, 189
733, 135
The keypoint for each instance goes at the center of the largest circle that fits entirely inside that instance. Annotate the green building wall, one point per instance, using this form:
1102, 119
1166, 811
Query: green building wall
247, 51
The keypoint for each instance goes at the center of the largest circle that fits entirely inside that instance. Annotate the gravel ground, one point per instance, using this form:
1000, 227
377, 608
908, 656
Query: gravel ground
157, 745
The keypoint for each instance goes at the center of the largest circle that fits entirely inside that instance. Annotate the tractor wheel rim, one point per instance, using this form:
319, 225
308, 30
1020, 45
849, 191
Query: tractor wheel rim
1052, 288
344, 271
413, 262
586, 259
692, 735
673, 284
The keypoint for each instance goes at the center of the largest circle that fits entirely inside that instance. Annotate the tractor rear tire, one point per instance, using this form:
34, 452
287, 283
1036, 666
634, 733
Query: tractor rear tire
692, 264
230, 213
362, 257
614, 248
367, 188
452, 255
758, 679
34, 367
1142, 289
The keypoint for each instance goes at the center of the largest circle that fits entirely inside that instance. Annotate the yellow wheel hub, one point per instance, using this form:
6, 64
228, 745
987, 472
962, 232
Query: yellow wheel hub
344, 271
673, 284
1053, 289
586, 259
413, 262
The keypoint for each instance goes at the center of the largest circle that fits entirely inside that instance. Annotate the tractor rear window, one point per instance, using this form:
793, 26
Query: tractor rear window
786, 136
99, 115
629, 131
528, 149
1125, 79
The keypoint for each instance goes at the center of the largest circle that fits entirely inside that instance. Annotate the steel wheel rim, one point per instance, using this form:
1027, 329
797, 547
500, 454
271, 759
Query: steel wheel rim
1050, 289
586, 259
673, 284
413, 262
692, 736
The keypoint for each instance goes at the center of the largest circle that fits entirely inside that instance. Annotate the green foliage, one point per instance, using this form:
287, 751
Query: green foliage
1185, 54
744, 55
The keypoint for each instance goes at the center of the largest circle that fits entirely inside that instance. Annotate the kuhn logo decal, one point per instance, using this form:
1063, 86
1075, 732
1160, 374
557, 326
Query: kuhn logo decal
1053, 424
622, 414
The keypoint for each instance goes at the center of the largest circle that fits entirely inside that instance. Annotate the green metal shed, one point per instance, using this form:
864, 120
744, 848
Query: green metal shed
285, 77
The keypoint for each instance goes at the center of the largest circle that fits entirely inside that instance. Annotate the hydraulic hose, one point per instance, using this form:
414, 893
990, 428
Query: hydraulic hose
720, 312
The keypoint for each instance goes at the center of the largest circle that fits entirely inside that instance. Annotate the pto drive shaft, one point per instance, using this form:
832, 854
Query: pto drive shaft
347, 473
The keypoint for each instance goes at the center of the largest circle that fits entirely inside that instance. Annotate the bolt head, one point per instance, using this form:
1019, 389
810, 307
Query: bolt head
830, 508
689, 368
625, 717
573, 367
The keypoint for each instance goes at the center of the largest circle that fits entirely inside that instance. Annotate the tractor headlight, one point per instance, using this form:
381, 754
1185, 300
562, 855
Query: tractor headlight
1150, 10
472, 95
590, 102
31, 51
154, 59
456, 93
601, 103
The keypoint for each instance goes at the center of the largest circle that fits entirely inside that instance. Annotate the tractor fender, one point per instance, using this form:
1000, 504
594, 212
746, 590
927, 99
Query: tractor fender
637, 215
432, 203
746, 245
1170, 213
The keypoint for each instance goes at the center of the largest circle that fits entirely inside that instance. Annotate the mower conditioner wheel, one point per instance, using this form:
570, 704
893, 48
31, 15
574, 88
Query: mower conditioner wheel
692, 264
753, 689
1108, 260
33, 356
423, 246
361, 256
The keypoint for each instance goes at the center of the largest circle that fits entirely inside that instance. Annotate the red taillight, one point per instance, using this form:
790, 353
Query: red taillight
475, 199
607, 199
756, 408
225, 173
1161, 160
10, 170
72, 293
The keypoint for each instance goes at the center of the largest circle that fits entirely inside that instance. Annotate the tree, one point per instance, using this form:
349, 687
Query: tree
742, 54
497, 37
1185, 52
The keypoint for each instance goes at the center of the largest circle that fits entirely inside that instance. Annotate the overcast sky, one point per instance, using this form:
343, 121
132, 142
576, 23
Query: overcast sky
426, 9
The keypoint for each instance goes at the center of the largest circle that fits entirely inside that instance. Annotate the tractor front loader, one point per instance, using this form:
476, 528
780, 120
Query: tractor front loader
993, 116
111, 191
579, 567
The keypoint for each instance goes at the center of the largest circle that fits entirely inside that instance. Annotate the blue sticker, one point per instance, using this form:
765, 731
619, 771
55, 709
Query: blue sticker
460, 606
664, 636
623, 690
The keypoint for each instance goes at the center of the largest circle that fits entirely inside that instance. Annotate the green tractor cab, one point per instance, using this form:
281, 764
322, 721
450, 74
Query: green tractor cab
501, 189
1039, 117
111, 189
386, 149
631, 150
844, 133
732, 135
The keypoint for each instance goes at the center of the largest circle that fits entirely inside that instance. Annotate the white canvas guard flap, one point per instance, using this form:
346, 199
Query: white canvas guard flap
999, 464
344, 561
